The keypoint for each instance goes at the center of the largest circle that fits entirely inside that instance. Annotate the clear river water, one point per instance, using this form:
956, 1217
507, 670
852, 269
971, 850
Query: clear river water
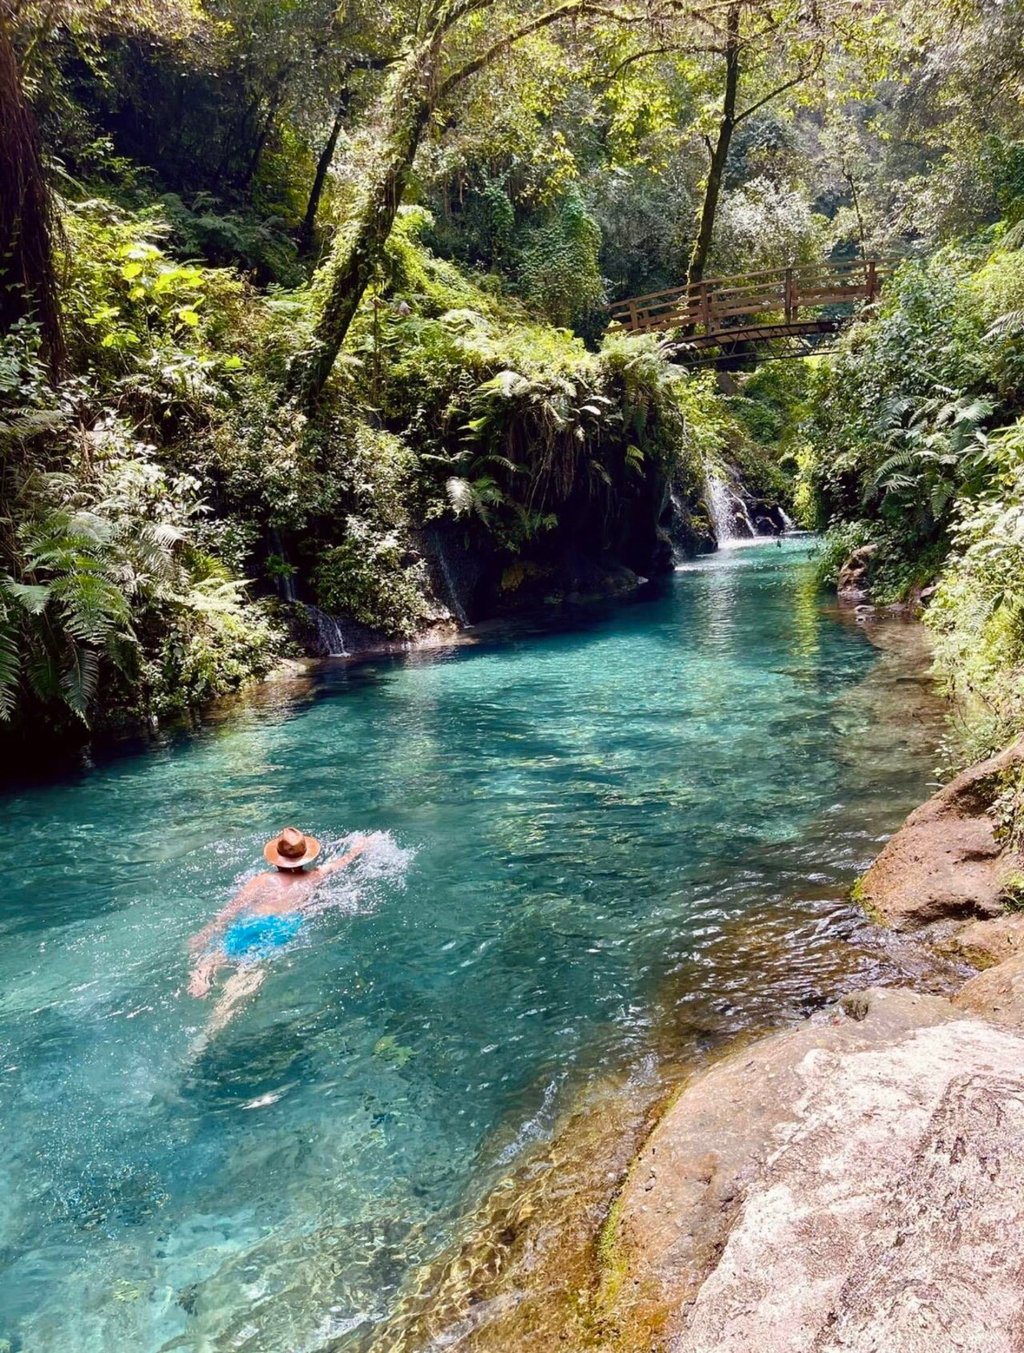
580, 826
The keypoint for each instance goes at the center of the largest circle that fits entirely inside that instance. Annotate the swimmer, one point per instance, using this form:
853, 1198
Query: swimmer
264, 917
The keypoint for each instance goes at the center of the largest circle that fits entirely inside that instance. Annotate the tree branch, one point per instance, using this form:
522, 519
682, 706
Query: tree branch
670, 49
489, 54
781, 89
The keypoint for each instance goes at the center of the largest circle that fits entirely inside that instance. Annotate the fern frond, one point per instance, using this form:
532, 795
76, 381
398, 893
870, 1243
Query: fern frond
10, 666
79, 679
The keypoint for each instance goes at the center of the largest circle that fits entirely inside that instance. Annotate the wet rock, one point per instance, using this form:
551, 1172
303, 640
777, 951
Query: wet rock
996, 994
854, 1184
853, 583
945, 860
986, 943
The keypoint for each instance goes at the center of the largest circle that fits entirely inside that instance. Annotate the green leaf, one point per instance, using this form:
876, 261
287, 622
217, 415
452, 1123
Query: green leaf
31, 597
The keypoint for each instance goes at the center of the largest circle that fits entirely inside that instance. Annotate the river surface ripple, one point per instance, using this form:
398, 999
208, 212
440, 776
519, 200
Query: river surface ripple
605, 838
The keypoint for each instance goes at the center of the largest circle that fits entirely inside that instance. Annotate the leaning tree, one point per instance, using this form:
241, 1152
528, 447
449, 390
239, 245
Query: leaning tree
450, 42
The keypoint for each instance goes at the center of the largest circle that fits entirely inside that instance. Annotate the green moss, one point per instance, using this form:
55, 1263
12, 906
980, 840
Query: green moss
859, 896
1012, 892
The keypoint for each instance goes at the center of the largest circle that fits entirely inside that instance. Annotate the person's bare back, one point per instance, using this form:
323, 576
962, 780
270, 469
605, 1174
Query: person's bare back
265, 914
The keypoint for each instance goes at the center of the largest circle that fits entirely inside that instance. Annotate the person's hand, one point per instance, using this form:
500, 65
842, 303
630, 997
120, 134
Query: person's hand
200, 982
199, 942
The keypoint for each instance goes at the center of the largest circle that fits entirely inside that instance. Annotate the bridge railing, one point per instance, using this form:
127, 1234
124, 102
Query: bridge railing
775, 296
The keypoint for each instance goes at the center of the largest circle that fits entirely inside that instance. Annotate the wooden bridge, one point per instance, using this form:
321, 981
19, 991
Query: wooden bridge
780, 309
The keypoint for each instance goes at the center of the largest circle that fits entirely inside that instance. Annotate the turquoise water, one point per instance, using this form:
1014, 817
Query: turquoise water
574, 821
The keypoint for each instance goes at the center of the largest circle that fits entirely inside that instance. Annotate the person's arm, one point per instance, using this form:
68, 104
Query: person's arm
202, 938
334, 865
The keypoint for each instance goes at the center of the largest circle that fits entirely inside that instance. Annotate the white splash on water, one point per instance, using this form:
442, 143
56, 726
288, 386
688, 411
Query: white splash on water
357, 889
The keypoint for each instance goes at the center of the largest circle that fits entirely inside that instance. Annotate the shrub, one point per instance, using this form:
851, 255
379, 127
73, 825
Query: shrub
371, 578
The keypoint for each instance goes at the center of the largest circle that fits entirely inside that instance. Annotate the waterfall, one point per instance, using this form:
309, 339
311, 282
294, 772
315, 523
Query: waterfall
678, 556
728, 511
330, 636
454, 571
451, 590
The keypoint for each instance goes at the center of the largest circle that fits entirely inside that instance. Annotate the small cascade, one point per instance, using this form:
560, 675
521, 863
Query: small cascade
455, 571
675, 528
729, 514
330, 635
788, 524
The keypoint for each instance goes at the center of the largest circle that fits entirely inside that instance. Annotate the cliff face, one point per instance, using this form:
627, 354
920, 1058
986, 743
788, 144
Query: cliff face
600, 546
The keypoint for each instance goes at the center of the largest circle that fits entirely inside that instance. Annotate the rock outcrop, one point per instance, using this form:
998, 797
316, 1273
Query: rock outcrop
945, 861
854, 1184
853, 583
996, 994
983, 944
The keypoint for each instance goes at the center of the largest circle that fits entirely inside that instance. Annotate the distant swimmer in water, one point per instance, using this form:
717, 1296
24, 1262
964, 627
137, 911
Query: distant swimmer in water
265, 916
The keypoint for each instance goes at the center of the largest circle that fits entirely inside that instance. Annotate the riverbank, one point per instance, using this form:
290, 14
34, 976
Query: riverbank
830, 1186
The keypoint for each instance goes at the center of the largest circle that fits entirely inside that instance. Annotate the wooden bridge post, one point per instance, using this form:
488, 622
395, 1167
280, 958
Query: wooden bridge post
705, 306
633, 320
872, 281
787, 295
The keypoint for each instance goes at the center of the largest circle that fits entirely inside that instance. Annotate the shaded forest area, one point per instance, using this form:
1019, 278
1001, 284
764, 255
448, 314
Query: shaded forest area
303, 314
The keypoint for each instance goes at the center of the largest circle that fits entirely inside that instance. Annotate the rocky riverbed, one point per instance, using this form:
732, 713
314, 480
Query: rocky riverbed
854, 1184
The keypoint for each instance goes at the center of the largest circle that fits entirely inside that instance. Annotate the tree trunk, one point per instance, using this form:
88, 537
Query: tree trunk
276, 99
323, 166
720, 152
28, 279
407, 110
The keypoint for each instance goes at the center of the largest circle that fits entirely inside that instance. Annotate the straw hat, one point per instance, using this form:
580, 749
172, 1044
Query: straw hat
291, 849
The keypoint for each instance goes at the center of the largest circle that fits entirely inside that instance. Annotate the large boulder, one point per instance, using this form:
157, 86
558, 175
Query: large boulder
853, 584
852, 1185
945, 861
996, 994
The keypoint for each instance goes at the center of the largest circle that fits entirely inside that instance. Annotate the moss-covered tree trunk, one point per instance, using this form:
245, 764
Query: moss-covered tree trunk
720, 150
405, 115
28, 280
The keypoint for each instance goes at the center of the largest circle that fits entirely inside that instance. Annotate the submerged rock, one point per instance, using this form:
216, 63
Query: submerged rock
945, 861
853, 1184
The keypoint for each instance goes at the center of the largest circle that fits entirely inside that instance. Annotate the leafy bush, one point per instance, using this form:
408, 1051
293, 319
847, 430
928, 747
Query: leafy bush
836, 546
978, 610
558, 263
101, 576
370, 578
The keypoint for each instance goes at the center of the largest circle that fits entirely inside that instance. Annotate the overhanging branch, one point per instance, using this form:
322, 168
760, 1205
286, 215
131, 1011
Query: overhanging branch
490, 54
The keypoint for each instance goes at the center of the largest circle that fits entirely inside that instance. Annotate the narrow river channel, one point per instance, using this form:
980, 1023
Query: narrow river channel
576, 821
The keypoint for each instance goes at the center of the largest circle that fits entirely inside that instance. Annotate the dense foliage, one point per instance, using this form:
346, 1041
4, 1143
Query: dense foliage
304, 307
914, 446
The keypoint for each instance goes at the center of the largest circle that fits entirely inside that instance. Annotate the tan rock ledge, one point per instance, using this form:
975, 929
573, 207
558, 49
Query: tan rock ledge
945, 861
855, 1185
